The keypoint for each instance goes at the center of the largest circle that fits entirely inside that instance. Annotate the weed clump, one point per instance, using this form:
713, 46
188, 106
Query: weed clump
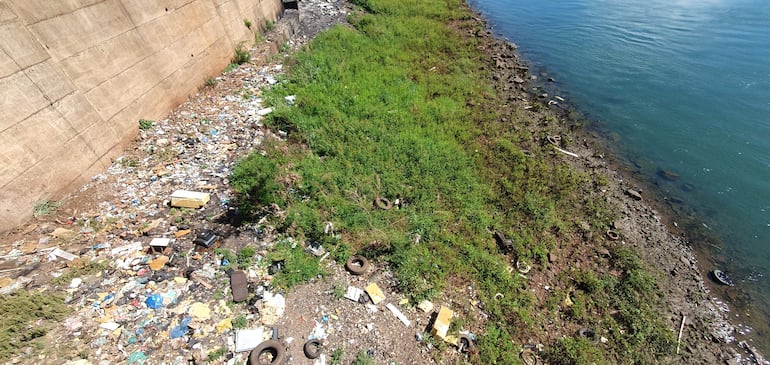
27, 317
242, 54
253, 179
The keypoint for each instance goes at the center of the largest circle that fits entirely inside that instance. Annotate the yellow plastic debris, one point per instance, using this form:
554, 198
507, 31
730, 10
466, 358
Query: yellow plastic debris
403, 302
189, 199
224, 325
375, 293
200, 311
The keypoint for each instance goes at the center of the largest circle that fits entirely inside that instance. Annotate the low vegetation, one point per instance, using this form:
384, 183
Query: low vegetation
400, 107
27, 317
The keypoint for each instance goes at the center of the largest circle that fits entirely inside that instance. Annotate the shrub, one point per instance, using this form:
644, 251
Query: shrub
145, 124
253, 179
242, 54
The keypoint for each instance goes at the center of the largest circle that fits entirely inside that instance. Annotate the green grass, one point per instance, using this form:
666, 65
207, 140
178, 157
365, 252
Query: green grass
92, 267
145, 124
398, 107
363, 359
45, 207
27, 317
241, 54
298, 265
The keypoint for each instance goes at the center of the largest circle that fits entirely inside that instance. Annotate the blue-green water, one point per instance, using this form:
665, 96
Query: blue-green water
684, 86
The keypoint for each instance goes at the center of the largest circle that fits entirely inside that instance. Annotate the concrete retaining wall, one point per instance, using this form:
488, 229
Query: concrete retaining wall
77, 75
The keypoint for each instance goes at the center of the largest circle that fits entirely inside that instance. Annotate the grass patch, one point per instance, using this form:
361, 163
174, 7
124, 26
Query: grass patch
145, 124
363, 359
297, 265
45, 207
27, 317
89, 268
241, 54
400, 107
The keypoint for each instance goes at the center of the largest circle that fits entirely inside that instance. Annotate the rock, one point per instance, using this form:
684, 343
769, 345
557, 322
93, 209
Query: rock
518, 80
634, 194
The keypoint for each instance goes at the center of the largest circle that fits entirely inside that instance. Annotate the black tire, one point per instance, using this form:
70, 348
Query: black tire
357, 265
465, 344
272, 347
312, 349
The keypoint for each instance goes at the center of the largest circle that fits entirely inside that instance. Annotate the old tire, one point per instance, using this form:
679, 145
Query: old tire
383, 203
272, 347
312, 349
465, 344
357, 265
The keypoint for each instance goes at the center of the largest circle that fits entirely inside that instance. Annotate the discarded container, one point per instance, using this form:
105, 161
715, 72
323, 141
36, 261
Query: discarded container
206, 239
189, 199
441, 325
353, 293
63, 254
159, 244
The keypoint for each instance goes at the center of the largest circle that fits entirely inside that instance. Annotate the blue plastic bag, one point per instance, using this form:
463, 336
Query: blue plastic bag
154, 301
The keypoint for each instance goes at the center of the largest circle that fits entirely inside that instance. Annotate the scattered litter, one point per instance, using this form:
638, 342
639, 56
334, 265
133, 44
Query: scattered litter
273, 308
398, 314
248, 339
200, 311
154, 301
61, 253
375, 293
425, 306
160, 243
181, 329
353, 293
189, 199
441, 325
206, 239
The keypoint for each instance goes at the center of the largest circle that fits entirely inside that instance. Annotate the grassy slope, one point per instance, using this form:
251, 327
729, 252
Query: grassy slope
400, 107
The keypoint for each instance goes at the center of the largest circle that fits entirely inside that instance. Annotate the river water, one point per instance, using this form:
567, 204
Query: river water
683, 89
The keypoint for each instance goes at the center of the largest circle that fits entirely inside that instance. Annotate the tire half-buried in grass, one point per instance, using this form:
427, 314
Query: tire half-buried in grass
357, 265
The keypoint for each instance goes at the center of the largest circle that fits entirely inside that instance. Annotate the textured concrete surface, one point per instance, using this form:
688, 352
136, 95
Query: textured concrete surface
77, 75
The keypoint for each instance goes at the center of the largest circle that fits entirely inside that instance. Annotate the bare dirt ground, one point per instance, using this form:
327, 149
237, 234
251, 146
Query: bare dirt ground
195, 147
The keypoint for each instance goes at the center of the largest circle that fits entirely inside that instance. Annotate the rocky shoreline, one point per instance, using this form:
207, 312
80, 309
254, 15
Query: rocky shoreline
195, 148
709, 336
